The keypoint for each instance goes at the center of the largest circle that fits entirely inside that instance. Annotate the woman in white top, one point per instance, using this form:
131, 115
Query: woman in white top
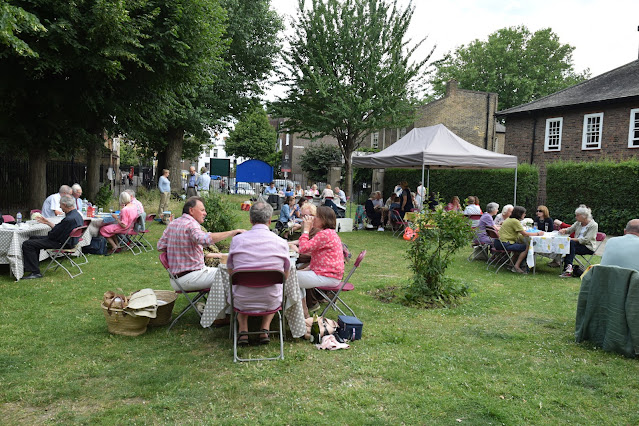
505, 214
328, 192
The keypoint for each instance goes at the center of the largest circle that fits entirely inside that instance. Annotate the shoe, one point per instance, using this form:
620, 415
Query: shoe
567, 273
32, 277
369, 226
381, 229
240, 340
200, 307
265, 340
553, 264
314, 308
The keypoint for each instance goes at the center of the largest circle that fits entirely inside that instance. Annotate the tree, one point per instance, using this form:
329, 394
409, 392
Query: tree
517, 65
253, 136
349, 72
318, 159
13, 21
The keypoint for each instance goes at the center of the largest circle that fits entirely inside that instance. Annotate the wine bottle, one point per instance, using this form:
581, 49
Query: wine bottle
315, 331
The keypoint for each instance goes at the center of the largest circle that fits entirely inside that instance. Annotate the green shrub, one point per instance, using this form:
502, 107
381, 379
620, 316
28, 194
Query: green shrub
222, 214
489, 185
104, 197
441, 234
607, 187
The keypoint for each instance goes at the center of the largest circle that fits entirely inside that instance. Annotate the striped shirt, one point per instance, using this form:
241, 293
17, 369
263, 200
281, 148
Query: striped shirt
183, 240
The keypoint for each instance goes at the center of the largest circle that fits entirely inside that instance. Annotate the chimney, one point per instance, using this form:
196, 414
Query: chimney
451, 87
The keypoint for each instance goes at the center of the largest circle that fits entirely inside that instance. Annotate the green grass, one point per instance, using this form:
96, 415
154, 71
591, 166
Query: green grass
506, 355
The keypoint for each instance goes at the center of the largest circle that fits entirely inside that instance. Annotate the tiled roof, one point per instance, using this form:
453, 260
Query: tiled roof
620, 83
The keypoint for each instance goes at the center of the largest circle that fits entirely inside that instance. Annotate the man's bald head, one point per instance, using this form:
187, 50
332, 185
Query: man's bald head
632, 227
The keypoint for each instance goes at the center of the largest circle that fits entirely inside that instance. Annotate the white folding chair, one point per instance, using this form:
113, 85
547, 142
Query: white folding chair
258, 278
68, 253
344, 285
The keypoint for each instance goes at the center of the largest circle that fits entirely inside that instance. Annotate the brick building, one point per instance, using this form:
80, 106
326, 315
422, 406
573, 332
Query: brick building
593, 120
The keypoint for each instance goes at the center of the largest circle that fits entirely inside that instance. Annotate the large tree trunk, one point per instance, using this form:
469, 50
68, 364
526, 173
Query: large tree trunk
37, 178
175, 142
94, 159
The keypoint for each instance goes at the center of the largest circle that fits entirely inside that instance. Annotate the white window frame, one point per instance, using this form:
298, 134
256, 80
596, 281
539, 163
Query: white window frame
549, 122
215, 152
375, 140
633, 128
585, 133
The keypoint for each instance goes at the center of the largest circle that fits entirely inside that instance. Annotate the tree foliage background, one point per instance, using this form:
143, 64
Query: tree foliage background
518, 65
318, 159
349, 71
253, 136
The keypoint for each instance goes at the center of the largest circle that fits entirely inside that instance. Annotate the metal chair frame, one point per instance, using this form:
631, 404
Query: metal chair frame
344, 285
141, 240
201, 293
585, 260
396, 219
67, 253
257, 278
500, 256
127, 239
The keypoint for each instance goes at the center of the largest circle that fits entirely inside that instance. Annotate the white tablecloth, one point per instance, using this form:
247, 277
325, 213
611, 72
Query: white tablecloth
12, 237
551, 242
217, 301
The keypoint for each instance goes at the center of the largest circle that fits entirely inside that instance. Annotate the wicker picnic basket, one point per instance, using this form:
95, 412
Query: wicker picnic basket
119, 322
165, 310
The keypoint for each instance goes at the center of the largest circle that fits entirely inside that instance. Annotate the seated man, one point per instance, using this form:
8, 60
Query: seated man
340, 196
136, 203
51, 206
270, 190
54, 240
373, 214
182, 241
77, 194
258, 248
624, 251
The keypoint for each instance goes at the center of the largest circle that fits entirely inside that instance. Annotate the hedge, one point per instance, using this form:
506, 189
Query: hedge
609, 188
488, 184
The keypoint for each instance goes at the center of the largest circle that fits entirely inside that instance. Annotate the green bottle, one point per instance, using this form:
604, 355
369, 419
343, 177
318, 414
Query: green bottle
315, 331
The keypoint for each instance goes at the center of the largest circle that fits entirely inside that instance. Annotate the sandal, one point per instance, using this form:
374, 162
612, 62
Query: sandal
240, 340
265, 340
110, 252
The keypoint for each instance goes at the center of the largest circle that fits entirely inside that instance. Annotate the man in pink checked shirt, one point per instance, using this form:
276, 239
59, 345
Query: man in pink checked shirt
183, 240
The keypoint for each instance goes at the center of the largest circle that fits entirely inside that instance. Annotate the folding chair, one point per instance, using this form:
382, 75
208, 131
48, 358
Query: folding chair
164, 260
260, 279
499, 255
141, 240
7, 218
480, 248
585, 260
396, 220
67, 253
127, 240
342, 286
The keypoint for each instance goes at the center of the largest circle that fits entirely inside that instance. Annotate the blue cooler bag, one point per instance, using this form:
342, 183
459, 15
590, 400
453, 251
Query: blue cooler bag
350, 328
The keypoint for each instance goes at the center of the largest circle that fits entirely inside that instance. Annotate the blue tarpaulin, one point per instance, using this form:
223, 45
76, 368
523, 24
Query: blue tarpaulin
254, 171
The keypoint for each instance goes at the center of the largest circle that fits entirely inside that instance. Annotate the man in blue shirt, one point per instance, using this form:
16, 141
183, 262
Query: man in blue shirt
270, 189
624, 251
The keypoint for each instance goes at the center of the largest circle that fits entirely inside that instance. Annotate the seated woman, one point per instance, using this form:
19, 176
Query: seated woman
512, 235
585, 229
123, 222
454, 204
373, 214
486, 220
299, 192
505, 214
297, 210
543, 221
328, 193
326, 251
286, 215
289, 191
477, 204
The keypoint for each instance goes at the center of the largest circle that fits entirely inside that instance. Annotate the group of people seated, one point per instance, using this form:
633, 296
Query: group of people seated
258, 248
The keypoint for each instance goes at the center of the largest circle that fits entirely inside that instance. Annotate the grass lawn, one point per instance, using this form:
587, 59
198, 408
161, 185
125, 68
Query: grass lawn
507, 355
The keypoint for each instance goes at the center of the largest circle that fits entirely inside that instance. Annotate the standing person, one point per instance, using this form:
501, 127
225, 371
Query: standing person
326, 252
54, 239
420, 196
204, 182
182, 241
257, 249
76, 190
406, 203
191, 183
164, 185
51, 206
624, 251
585, 229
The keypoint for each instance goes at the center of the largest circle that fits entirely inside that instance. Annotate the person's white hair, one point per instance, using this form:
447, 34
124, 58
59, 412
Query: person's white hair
506, 208
125, 198
492, 207
67, 201
65, 189
130, 192
76, 187
584, 211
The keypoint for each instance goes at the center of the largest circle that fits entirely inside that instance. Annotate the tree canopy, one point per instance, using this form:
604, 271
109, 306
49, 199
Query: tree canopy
252, 137
318, 159
518, 65
348, 71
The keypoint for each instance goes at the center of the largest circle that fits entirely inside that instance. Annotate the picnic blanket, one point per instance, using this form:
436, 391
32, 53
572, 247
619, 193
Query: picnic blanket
608, 309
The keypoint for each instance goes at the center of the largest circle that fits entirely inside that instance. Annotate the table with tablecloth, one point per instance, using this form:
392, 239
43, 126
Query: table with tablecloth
549, 243
12, 237
217, 301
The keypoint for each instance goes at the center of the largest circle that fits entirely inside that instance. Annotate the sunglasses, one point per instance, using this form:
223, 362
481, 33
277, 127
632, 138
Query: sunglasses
540, 211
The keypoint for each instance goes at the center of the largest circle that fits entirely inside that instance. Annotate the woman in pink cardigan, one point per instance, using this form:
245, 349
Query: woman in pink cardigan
325, 248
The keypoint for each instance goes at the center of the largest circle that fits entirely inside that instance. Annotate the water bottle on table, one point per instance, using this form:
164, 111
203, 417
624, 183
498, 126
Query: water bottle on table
19, 218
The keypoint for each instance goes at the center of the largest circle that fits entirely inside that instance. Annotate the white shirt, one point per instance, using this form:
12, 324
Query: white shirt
51, 204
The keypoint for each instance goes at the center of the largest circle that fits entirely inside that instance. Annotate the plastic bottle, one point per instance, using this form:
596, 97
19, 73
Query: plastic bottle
19, 218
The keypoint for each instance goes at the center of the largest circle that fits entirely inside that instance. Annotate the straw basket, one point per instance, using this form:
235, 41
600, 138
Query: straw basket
164, 310
119, 322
